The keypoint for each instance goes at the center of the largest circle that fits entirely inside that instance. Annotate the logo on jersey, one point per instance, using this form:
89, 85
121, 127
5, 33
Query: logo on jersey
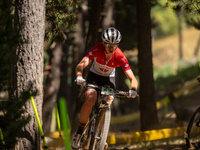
126, 65
104, 70
95, 49
123, 60
90, 53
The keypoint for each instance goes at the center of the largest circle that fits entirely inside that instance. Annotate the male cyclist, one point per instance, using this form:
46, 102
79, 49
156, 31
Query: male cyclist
107, 56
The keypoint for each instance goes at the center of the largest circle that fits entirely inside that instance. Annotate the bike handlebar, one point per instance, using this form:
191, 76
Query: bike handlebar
116, 92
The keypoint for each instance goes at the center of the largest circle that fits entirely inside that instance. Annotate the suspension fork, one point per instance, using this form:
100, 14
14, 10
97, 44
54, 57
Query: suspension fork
103, 100
95, 115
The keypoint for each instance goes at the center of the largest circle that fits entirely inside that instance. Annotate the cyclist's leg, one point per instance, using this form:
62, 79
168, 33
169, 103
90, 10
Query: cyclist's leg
91, 97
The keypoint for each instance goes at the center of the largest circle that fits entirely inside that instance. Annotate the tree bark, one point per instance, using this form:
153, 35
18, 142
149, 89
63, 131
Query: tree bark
180, 36
148, 111
29, 68
197, 48
182, 114
95, 18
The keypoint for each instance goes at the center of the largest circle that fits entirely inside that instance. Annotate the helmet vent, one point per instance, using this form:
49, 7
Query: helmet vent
111, 35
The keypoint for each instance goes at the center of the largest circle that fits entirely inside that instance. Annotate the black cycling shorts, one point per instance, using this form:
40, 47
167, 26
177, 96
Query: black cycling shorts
93, 78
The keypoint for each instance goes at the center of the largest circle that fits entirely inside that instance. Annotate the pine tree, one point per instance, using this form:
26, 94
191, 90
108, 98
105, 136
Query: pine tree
11, 109
60, 15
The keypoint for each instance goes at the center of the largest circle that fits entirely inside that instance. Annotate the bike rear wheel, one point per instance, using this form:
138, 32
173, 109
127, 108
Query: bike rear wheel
98, 141
193, 130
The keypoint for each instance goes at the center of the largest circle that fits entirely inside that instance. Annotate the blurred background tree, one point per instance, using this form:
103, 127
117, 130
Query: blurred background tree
61, 17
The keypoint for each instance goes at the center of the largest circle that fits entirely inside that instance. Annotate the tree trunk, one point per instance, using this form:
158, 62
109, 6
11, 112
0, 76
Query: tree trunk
180, 36
182, 114
29, 68
52, 85
65, 85
120, 85
148, 111
95, 18
91, 41
78, 51
197, 48
108, 14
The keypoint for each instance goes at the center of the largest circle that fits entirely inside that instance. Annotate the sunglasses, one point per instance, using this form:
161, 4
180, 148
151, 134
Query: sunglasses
113, 46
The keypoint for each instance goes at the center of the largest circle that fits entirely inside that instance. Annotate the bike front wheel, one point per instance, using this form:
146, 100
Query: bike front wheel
193, 130
98, 141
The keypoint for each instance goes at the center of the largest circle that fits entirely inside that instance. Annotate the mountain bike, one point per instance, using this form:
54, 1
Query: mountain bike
96, 130
193, 129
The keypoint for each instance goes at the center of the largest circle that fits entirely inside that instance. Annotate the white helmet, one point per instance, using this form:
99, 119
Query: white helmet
111, 35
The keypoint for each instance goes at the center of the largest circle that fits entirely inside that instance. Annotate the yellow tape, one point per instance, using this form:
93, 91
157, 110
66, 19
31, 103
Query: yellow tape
150, 135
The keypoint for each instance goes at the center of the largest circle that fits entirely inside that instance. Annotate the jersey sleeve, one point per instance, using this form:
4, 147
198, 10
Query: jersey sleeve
89, 54
93, 51
123, 62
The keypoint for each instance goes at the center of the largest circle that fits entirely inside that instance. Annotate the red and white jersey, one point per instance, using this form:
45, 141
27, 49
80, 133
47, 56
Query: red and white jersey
106, 68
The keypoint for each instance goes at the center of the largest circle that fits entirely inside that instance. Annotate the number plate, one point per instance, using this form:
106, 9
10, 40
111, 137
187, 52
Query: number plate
106, 91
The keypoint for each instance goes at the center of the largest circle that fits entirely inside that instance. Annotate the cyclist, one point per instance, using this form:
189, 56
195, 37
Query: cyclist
107, 56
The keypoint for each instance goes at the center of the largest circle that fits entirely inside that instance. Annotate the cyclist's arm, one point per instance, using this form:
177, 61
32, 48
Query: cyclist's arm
132, 79
83, 63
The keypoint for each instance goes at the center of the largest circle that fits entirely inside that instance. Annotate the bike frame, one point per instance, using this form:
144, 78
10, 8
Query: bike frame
101, 110
101, 99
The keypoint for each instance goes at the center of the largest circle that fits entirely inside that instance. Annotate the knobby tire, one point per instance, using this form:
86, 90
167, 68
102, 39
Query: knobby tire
193, 131
100, 143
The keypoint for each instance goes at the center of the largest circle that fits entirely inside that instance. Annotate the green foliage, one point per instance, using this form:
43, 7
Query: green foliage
165, 71
191, 6
11, 120
191, 9
60, 14
11, 110
193, 21
184, 74
164, 22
